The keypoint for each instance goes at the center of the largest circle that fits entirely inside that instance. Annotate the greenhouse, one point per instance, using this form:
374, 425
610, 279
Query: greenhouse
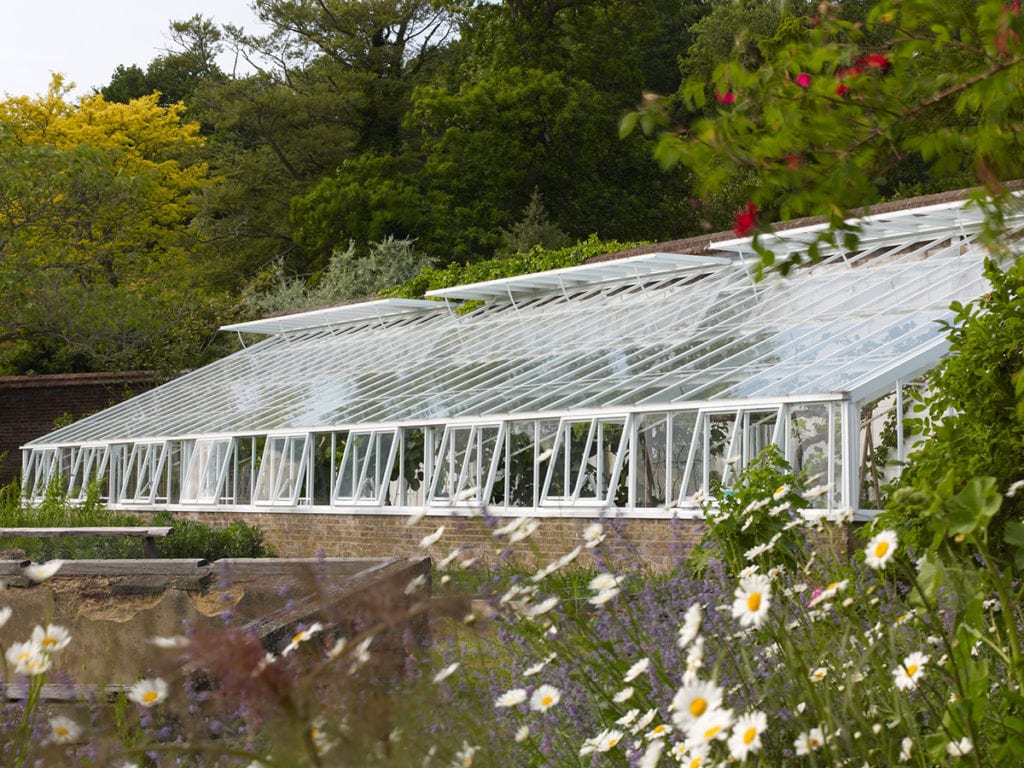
631, 384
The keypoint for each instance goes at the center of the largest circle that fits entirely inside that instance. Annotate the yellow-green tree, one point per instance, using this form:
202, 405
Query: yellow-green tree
97, 257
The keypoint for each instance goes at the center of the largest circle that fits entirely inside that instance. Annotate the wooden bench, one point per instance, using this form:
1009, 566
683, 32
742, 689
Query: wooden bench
147, 534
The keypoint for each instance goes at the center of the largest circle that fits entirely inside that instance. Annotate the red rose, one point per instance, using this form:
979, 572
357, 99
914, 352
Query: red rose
746, 220
803, 80
875, 61
725, 98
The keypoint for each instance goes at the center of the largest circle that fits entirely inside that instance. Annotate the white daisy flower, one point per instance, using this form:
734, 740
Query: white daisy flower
511, 698
522, 734
691, 755
660, 731
781, 492
302, 636
447, 672
819, 674
64, 730
651, 755
545, 697
541, 608
603, 581
538, 667
713, 725
52, 638
880, 549
39, 572
636, 670
170, 643
906, 749
693, 700
628, 718
691, 625
746, 735
524, 531
624, 695
960, 748
646, 720
593, 535
433, 538
753, 597
910, 671
809, 741
603, 742
604, 596
464, 757
149, 691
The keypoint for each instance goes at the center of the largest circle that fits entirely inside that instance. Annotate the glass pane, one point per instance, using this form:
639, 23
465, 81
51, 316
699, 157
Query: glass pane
652, 459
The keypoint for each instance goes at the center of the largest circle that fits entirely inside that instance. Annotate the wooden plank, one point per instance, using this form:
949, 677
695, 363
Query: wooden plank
58, 692
10, 569
126, 530
297, 567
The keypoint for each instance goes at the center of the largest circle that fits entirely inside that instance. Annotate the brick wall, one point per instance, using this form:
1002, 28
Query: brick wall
31, 405
304, 534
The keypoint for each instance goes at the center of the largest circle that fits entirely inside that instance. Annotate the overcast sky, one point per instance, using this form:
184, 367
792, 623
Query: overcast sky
85, 40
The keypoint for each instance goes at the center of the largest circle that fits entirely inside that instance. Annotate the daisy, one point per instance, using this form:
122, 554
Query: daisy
524, 531
753, 597
827, 592
781, 492
646, 720
511, 698
538, 667
713, 725
691, 755
593, 535
628, 718
819, 674
746, 734
51, 639
604, 596
880, 550
447, 672
64, 730
602, 582
910, 671
660, 731
522, 734
541, 608
624, 695
809, 741
302, 636
148, 692
39, 572
432, 539
177, 641
603, 742
544, 698
691, 625
906, 748
651, 755
693, 700
636, 670
959, 748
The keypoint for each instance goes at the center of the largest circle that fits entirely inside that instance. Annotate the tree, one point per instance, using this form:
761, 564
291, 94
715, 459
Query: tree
834, 113
95, 247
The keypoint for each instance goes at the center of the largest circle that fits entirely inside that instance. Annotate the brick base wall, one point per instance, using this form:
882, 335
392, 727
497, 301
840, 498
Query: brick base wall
30, 406
659, 543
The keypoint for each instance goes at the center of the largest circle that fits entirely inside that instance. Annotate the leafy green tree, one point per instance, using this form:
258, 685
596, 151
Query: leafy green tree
351, 274
835, 113
95, 205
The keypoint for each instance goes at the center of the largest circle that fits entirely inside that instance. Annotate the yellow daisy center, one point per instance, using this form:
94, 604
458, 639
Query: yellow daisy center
547, 701
833, 585
881, 548
753, 601
912, 670
49, 640
749, 735
299, 637
711, 732
150, 696
698, 707
612, 742
61, 730
695, 763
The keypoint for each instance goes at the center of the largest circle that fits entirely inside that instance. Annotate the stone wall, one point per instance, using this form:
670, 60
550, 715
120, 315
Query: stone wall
30, 406
305, 534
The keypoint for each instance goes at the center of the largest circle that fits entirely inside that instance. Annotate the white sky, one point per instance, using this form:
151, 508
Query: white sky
85, 40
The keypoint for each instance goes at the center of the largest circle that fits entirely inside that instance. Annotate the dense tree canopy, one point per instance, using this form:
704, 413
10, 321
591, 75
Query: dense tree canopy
95, 248
449, 125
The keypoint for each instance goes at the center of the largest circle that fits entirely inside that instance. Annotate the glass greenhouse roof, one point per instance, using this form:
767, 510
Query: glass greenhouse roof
639, 333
